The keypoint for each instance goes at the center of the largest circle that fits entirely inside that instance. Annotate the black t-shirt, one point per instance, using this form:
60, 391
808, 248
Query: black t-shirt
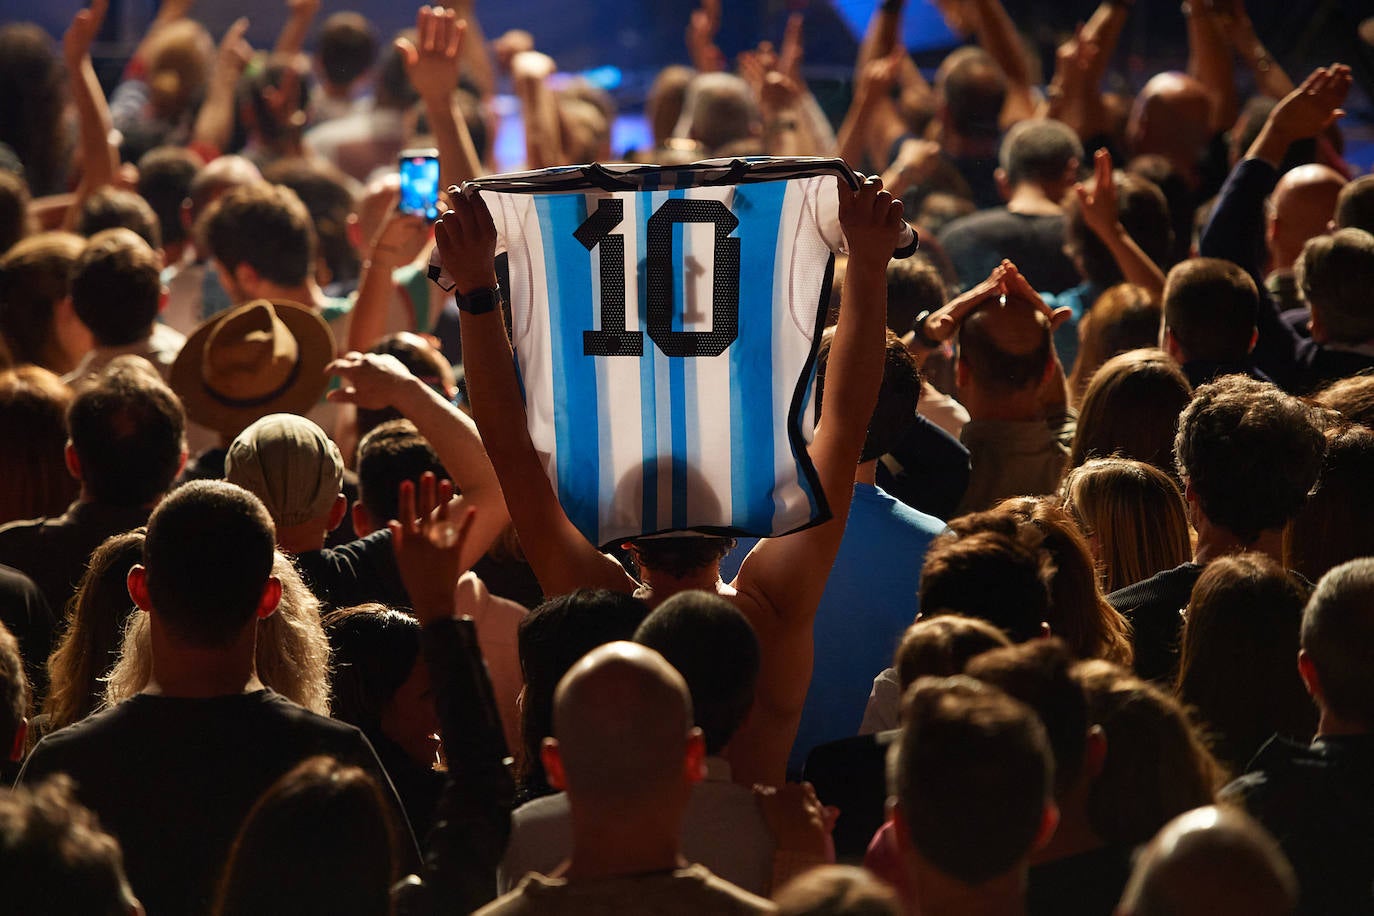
1152, 606
173, 778
1034, 242
357, 573
26, 614
1088, 884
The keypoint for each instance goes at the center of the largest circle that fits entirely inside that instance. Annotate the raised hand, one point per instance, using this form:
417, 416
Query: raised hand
428, 542
701, 38
466, 238
1314, 105
432, 61
76, 43
1099, 204
370, 380
800, 824
872, 220
234, 52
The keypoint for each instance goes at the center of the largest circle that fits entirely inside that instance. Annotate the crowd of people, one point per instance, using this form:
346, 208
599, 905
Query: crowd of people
293, 621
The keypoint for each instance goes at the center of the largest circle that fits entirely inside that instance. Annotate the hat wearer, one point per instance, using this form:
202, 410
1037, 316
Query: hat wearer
260, 358
290, 464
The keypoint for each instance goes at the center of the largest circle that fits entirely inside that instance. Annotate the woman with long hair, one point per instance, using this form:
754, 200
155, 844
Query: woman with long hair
1131, 409
1333, 524
34, 480
1123, 318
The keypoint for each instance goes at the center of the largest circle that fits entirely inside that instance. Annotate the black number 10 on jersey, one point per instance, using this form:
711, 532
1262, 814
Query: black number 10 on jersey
661, 267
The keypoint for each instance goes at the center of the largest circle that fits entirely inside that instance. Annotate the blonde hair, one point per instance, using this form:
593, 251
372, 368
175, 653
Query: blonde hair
292, 650
1134, 516
1123, 318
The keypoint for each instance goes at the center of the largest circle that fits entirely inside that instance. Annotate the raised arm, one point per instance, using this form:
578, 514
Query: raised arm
398, 242
560, 556
998, 36
781, 580
1101, 215
872, 124
215, 121
476, 56
530, 71
375, 382
95, 126
1210, 62
299, 15
432, 67
1270, 77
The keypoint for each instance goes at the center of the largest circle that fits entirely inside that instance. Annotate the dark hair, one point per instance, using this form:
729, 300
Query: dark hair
264, 226
115, 208
996, 572
58, 861
1352, 397
1338, 637
1123, 318
1210, 306
1130, 410
1038, 674
33, 426
680, 556
347, 48
393, 84
914, 285
324, 191
424, 361
254, 89
15, 221
994, 367
389, 454
165, 174
1144, 213
339, 814
33, 86
375, 649
1335, 273
554, 637
35, 275
1250, 452
895, 411
93, 632
1333, 524
941, 646
1355, 205
1039, 150
117, 287
714, 648
208, 555
973, 775
14, 690
129, 432
1236, 669
974, 90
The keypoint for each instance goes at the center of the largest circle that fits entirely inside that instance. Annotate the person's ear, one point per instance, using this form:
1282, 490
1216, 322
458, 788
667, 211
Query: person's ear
181, 462
187, 217
1004, 187
899, 828
1308, 672
337, 512
353, 231
73, 460
137, 583
271, 598
21, 736
1254, 339
1094, 753
1316, 325
553, 764
246, 279
695, 759
362, 520
1049, 823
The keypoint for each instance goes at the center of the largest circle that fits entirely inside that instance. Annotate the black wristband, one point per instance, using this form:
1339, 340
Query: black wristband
918, 329
479, 301
891, 6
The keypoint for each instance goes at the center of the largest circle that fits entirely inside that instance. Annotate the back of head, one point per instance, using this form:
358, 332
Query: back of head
714, 648
1335, 274
347, 48
679, 556
391, 453
425, 362
14, 693
1156, 766
667, 96
340, 814
1338, 637
551, 639
324, 191
1006, 346
1236, 667
57, 860
32, 96
895, 411
914, 285
1135, 516
117, 287
1352, 397
208, 555
33, 426
220, 175
1131, 409
35, 275
992, 568
129, 432
1041, 151
837, 890
115, 208
941, 646
165, 175
973, 774
1211, 860
15, 220
393, 86
973, 88
720, 109
1144, 213
1171, 116
1210, 307
264, 226
1332, 525
1250, 453
622, 717
1123, 318
1355, 205
375, 649
290, 464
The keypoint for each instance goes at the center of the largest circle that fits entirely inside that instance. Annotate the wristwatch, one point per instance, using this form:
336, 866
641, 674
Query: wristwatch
479, 301
918, 329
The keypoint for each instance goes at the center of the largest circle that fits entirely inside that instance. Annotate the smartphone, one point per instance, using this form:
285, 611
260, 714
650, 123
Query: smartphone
420, 183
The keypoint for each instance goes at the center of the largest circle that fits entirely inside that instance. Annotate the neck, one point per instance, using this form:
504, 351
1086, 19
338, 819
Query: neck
1074, 834
1330, 725
941, 895
867, 472
616, 844
189, 671
1033, 200
302, 538
1214, 541
664, 586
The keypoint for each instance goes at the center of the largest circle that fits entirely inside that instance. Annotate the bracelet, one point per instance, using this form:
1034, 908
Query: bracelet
918, 329
780, 124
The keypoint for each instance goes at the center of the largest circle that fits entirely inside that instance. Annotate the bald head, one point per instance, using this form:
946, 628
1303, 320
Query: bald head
1171, 116
1211, 861
1303, 203
622, 720
1006, 347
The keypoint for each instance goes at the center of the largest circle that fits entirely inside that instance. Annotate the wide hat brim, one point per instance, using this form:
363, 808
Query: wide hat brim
315, 346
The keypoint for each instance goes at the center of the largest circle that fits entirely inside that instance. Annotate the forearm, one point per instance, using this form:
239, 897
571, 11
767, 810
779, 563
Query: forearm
1103, 29
475, 54
815, 126
458, 159
1236, 230
1209, 62
1270, 78
1136, 266
291, 39
998, 36
883, 33
853, 134
367, 320
539, 110
214, 124
99, 156
855, 368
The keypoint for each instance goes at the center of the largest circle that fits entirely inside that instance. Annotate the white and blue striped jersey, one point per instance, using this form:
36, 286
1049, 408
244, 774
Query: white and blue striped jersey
665, 323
